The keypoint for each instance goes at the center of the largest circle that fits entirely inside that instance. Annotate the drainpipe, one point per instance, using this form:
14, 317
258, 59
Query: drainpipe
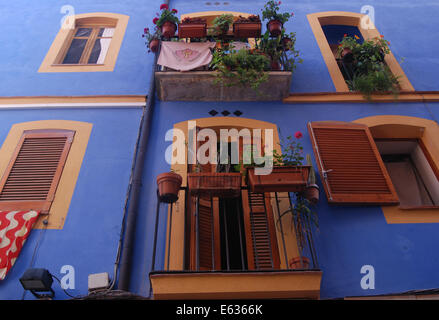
134, 196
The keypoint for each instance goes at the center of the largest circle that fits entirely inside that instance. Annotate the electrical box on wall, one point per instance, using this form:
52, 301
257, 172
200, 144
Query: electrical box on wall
98, 281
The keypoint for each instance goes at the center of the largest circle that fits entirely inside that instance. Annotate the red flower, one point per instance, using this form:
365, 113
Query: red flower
298, 135
280, 2
292, 13
381, 36
174, 10
146, 30
164, 6
155, 20
345, 35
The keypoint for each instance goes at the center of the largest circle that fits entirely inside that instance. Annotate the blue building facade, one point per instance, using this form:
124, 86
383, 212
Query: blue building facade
109, 223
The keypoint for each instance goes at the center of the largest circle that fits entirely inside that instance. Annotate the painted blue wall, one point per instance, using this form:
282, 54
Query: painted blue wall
349, 237
28, 30
90, 236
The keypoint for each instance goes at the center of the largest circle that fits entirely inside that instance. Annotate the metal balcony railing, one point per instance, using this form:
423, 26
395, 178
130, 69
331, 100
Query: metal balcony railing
245, 242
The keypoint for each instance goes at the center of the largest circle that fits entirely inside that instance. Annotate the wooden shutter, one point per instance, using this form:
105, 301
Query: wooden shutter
32, 176
350, 165
260, 232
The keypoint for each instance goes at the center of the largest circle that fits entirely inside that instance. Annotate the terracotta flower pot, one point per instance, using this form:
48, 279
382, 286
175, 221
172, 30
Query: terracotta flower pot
169, 184
295, 263
347, 55
216, 184
275, 27
281, 179
275, 65
285, 42
312, 193
154, 45
168, 29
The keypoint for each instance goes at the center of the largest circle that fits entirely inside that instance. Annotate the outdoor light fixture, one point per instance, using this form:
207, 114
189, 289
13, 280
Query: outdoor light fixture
37, 281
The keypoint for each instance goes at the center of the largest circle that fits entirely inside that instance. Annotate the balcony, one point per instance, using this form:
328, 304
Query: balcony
237, 65
236, 247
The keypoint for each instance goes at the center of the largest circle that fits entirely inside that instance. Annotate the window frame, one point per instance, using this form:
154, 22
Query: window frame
53, 59
317, 20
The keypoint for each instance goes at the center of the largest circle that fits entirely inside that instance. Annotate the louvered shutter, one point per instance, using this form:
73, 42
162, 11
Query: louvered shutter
350, 165
261, 243
31, 178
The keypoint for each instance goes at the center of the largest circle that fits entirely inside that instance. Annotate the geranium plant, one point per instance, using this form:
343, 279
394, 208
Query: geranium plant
151, 37
292, 152
271, 12
165, 15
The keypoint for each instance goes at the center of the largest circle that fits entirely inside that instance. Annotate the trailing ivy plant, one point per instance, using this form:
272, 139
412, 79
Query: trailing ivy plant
245, 68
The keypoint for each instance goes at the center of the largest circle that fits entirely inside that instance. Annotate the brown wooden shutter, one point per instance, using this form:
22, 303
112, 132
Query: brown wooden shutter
31, 178
350, 165
261, 243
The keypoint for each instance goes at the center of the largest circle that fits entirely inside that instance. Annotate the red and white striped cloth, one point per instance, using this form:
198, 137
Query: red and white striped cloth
15, 227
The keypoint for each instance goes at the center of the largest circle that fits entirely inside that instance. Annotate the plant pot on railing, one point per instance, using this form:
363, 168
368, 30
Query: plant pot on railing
311, 193
192, 28
274, 27
249, 27
281, 179
154, 45
299, 263
168, 185
215, 184
168, 29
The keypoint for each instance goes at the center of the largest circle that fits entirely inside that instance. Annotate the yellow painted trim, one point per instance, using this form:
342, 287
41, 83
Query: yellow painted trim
317, 20
407, 127
353, 97
120, 23
177, 236
72, 99
66, 186
245, 285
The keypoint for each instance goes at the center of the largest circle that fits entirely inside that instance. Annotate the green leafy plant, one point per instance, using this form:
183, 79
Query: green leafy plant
165, 15
370, 72
281, 49
240, 68
270, 12
221, 24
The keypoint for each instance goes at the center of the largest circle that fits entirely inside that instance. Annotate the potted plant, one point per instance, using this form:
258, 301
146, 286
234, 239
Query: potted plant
281, 50
221, 24
168, 184
192, 28
312, 190
166, 21
249, 27
288, 174
275, 19
244, 68
370, 73
152, 39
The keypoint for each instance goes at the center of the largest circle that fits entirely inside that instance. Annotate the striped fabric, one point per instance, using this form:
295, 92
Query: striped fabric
15, 227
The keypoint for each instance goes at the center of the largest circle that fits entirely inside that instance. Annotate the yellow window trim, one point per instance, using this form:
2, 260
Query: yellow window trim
317, 20
64, 36
67, 182
177, 234
407, 127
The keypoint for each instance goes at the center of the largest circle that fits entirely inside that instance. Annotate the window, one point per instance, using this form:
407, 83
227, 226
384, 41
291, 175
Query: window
92, 45
39, 166
231, 234
410, 172
355, 168
32, 176
327, 27
88, 46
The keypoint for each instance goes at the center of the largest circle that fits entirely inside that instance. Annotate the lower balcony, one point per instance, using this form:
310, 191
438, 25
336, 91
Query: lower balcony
267, 284
242, 246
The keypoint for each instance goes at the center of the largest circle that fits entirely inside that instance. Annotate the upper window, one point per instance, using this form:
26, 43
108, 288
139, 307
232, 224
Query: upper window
330, 27
91, 45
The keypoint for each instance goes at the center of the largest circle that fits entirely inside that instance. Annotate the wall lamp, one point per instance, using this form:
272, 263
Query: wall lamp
39, 282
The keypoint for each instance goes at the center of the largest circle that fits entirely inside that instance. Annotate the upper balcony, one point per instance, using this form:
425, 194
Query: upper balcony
223, 58
235, 238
